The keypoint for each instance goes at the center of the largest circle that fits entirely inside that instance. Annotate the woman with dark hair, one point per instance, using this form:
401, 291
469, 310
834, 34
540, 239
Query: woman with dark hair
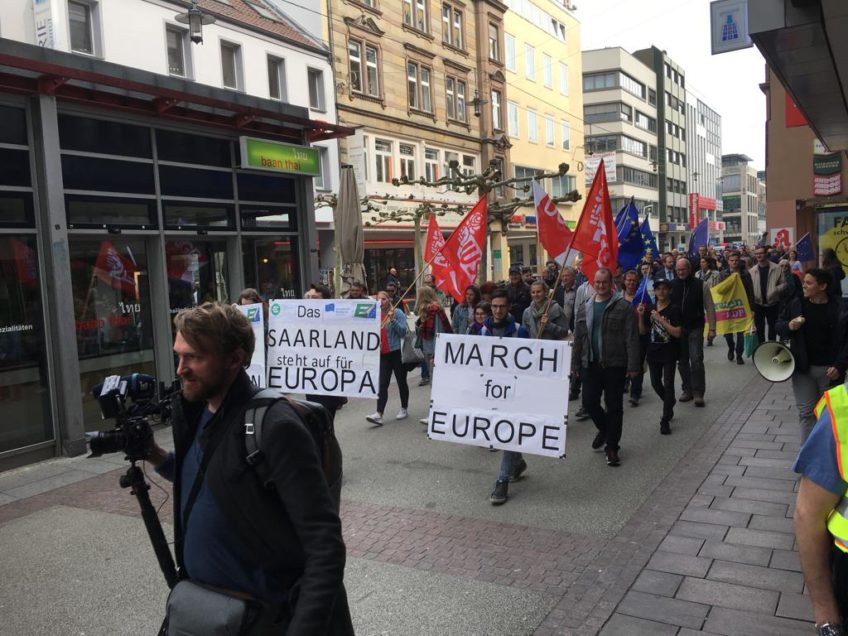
481, 313
463, 314
815, 327
794, 264
708, 271
486, 290
832, 265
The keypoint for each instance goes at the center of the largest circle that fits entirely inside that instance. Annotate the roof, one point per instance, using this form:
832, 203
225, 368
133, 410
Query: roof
261, 16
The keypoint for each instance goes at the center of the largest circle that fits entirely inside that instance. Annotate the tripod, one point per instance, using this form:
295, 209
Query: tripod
134, 480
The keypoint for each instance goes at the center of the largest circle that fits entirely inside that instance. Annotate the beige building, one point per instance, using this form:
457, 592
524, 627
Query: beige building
543, 112
422, 81
739, 194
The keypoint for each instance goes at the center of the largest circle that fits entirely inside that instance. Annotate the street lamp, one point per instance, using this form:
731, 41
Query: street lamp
477, 103
195, 19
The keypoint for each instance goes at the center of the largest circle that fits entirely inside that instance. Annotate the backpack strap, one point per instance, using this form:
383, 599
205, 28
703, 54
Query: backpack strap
254, 418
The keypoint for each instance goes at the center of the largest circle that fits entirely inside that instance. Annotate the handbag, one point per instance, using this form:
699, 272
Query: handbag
195, 610
411, 352
751, 342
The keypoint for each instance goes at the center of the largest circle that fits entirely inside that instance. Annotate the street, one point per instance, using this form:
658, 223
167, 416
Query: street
690, 533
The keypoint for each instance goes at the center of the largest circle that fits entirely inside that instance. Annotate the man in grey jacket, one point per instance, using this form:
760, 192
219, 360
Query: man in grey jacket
606, 351
768, 283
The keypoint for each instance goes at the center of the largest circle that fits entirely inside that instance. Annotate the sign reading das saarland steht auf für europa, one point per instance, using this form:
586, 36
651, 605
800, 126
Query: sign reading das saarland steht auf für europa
273, 156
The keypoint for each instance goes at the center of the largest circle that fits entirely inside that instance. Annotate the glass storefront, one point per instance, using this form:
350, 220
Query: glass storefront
24, 388
272, 267
112, 314
378, 262
197, 273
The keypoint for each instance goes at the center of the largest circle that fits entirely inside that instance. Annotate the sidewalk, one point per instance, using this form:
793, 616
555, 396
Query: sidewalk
710, 550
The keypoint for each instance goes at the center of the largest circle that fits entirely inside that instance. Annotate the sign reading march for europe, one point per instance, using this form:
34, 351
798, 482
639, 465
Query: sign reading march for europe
505, 393
324, 347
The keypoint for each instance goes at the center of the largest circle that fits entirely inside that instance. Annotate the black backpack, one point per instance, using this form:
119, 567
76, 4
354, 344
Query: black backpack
317, 421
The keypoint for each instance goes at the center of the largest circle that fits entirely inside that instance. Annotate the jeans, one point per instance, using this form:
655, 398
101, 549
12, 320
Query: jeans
392, 362
740, 342
808, 388
608, 381
662, 381
691, 362
765, 315
425, 370
637, 382
509, 461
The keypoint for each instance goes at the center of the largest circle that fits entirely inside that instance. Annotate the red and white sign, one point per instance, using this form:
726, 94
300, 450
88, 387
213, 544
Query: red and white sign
554, 234
782, 236
717, 226
825, 186
440, 267
693, 210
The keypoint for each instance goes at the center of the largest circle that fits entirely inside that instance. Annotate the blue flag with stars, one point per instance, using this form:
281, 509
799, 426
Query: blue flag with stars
648, 240
630, 246
700, 237
804, 247
642, 296
619, 217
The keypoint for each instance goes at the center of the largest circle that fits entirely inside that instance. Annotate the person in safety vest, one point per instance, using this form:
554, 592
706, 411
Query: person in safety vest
821, 512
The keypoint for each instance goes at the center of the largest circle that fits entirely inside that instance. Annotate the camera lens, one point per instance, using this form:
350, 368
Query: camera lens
100, 442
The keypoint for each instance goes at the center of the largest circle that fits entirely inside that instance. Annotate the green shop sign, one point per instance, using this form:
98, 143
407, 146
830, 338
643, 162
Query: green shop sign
827, 164
273, 156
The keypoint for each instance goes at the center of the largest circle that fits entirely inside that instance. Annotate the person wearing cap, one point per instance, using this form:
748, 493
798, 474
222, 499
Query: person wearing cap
518, 293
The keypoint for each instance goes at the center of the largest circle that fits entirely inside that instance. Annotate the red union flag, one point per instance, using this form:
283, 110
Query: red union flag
554, 234
595, 235
440, 266
464, 248
115, 270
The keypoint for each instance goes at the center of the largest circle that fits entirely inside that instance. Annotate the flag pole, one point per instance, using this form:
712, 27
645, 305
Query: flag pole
556, 284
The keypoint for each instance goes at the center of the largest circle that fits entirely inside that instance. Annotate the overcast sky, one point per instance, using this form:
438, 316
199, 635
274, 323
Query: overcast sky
727, 83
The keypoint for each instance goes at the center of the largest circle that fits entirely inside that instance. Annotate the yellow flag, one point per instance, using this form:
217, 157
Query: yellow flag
733, 313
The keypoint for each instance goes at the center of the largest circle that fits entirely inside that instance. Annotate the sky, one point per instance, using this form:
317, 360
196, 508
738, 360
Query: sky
727, 83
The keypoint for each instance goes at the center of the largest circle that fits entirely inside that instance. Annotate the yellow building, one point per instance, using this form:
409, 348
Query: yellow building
543, 113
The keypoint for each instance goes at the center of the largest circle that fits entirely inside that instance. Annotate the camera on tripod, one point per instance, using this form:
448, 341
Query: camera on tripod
132, 400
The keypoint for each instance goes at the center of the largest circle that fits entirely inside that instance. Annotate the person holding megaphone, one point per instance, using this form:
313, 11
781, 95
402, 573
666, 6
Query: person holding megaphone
815, 327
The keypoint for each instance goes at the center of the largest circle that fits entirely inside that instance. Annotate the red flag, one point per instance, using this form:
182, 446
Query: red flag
440, 266
464, 248
554, 234
115, 270
25, 262
596, 235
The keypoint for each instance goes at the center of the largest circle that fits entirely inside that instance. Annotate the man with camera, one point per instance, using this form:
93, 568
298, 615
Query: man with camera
275, 546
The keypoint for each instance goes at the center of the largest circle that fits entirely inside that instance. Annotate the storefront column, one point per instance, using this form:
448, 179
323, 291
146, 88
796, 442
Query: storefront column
500, 255
160, 310
235, 268
308, 235
58, 289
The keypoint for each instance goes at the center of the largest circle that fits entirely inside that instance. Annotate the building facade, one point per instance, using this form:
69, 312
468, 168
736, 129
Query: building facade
620, 120
132, 190
543, 112
739, 190
672, 166
703, 149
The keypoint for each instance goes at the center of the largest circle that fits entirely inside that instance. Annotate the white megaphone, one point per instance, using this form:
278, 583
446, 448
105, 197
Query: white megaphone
774, 361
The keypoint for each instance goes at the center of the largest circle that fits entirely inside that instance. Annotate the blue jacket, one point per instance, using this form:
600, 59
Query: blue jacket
513, 329
396, 330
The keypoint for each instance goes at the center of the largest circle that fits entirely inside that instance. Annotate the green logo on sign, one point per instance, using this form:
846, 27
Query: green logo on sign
275, 309
277, 157
365, 311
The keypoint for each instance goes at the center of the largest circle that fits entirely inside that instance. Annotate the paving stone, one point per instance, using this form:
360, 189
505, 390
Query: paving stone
756, 444
699, 530
776, 524
711, 490
654, 582
758, 494
46, 485
4, 498
730, 622
795, 606
761, 482
679, 564
718, 517
681, 545
747, 505
785, 560
770, 472
729, 470
769, 453
664, 610
756, 576
723, 594
739, 452
738, 553
763, 462
701, 501
762, 538
621, 625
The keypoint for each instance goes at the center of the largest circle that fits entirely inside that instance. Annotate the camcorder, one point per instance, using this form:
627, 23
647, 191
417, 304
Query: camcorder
133, 401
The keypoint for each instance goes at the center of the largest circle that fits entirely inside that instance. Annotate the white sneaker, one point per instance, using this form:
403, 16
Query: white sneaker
425, 421
375, 418
401, 415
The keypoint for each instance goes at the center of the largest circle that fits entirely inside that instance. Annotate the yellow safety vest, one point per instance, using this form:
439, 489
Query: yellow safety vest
836, 402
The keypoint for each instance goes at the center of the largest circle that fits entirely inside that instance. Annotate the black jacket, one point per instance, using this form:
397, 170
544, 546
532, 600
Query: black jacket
519, 299
292, 530
797, 343
689, 295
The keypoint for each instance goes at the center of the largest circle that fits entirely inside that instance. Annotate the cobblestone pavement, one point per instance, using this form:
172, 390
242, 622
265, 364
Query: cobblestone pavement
710, 550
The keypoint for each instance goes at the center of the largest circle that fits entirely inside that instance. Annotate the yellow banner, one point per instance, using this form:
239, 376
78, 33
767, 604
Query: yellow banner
733, 314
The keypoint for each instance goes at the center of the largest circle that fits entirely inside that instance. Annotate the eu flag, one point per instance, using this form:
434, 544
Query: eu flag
630, 246
648, 240
804, 247
619, 218
700, 237
642, 294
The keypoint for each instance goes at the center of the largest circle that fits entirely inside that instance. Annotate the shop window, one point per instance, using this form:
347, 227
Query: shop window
24, 391
13, 125
272, 266
278, 218
104, 137
14, 168
192, 182
197, 273
16, 209
99, 212
189, 216
185, 148
262, 187
107, 175
111, 292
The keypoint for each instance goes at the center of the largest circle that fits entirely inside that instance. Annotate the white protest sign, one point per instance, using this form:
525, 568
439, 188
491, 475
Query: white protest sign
256, 370
324, 347
506, 393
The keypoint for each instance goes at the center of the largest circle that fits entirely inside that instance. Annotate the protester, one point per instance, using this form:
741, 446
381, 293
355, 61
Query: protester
392, 291
708, 274
821, 513
519, 293
356, 291
431, 320
443, 299
631, 286
463, 314
504, 325
566, 294
734, 267
667, 271
646, 271
694, 302
317, 292
816, 329
606, 351
794, 287
795, 265
768, 285
543, 319
662, 322
584, 292
486, 290
392, 278
831, 263
481, 312
330, 402
393, 328
223, 514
